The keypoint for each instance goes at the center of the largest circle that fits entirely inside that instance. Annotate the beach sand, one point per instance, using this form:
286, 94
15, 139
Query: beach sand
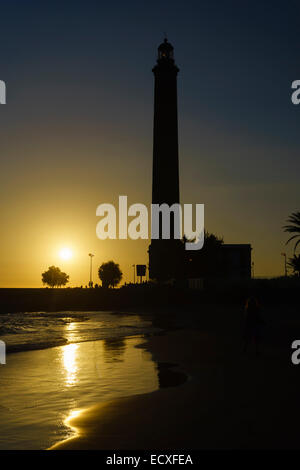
229, 400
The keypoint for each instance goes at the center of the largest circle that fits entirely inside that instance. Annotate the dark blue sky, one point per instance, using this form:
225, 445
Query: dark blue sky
78, 119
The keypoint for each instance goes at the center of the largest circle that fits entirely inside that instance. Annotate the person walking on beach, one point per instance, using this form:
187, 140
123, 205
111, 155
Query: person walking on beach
253, 324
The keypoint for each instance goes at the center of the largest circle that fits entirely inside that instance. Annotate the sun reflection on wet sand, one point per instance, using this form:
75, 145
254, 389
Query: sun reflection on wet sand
70, 331
70, 363
70, 417
46, 393
69, 422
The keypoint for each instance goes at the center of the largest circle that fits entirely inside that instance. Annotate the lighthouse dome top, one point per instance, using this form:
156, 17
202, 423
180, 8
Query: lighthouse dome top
165, 51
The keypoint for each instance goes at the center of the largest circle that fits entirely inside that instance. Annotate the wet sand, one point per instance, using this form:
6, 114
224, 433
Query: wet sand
230, 400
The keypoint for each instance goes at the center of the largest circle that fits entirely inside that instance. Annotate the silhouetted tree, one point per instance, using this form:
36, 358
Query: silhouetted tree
110, 274
294, 263
206, 262
293, 227
54, 277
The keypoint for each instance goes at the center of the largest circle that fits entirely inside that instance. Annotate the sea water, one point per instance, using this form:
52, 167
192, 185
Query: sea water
62, 362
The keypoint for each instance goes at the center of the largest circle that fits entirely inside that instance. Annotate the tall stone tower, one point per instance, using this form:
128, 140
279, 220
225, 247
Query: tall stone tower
165, 182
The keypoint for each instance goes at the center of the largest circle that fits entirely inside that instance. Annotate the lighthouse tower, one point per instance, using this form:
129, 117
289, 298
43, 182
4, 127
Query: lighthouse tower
165, 177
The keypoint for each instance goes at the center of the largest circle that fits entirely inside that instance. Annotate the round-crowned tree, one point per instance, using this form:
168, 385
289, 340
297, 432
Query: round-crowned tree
54, 277
110, 274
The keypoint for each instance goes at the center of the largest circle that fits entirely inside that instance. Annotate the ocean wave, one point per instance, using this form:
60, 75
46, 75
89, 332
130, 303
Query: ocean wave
22, 347
13, 330
40, 330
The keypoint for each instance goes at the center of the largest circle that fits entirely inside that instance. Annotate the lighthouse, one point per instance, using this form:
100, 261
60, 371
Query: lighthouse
163, 254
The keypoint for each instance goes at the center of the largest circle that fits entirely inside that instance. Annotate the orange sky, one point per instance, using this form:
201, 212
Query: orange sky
77, 127
47, 207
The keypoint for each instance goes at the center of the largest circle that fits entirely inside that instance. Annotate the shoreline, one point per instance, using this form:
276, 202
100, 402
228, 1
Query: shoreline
210, 396
230, 400
170, 375
126, 423
77, 376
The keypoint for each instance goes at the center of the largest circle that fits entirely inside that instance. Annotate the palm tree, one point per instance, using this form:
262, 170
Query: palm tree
293, 227
294, 263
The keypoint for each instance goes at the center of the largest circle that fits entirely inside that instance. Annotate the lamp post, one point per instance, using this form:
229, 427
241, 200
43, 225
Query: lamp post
285, 265
133, 273
91, 269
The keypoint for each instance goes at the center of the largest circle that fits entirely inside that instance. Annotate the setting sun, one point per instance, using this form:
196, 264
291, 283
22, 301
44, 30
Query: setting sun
65, 253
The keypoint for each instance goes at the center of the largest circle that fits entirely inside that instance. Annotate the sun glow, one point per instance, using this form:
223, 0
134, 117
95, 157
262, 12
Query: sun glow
65, 253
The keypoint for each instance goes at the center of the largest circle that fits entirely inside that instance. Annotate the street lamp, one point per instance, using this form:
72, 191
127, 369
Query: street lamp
133, 273
285, 265
91, 269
